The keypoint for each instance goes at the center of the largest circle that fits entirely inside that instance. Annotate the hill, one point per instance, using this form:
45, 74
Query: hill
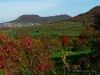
38, 19
87, 17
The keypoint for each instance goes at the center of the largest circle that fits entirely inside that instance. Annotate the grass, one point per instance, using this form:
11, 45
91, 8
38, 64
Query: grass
53, 30
61, 53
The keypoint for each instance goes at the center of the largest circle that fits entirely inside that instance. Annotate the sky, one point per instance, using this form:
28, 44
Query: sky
11, 9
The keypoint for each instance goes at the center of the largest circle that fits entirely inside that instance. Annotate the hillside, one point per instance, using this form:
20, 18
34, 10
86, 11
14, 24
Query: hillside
87, 17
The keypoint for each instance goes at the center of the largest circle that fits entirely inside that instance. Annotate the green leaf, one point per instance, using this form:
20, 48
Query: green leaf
1, 72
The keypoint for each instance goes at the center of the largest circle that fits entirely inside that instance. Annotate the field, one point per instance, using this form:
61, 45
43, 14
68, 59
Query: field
54, 29
66, 47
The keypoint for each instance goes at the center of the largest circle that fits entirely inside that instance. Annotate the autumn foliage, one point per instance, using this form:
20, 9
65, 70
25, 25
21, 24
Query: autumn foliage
23, 56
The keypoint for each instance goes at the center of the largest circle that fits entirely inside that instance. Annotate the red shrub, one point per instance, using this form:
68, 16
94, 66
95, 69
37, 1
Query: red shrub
65, 40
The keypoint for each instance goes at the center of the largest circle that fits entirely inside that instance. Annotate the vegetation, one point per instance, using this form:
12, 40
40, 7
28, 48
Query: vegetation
65, 47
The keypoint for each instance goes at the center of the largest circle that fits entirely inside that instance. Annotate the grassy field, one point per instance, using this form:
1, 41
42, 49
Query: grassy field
54, 29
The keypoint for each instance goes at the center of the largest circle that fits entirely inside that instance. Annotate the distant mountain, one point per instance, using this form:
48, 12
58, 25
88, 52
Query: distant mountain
37, 19
92, 12
88, 16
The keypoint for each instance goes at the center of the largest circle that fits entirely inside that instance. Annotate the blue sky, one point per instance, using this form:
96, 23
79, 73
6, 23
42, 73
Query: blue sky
11, 9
